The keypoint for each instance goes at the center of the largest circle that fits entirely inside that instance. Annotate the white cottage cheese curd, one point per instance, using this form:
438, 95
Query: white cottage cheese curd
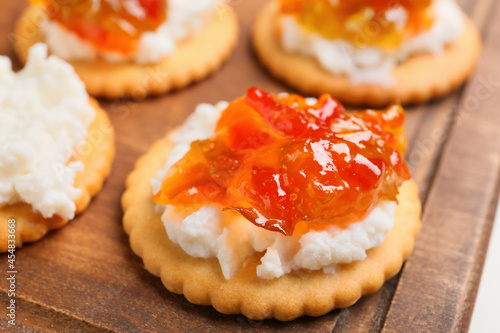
184, 18
371, 64
227, 236
44, 114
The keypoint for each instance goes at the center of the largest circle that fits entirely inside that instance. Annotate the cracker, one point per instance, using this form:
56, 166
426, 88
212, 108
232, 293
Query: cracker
417, 80
285, 298
193, 60
97, 155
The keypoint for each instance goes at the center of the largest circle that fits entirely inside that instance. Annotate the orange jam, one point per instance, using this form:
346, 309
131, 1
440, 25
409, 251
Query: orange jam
279, 161
110, 25
363, 22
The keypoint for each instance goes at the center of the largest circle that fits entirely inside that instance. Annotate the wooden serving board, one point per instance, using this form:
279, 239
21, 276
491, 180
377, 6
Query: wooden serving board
84, 277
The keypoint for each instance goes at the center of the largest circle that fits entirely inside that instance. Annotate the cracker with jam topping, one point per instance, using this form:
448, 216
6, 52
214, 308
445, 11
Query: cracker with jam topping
102, 41
368, 53
275, 206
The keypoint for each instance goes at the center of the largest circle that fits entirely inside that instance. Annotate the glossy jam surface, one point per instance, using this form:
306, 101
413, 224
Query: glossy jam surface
279, 162
110, 25
382, 23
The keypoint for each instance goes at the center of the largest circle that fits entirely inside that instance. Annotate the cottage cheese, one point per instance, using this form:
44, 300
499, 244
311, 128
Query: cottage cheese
371, 64
44, 114
227, 236
184, 19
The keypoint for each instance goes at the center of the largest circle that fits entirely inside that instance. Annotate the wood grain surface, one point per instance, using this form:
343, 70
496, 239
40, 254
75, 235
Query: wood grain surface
85, 278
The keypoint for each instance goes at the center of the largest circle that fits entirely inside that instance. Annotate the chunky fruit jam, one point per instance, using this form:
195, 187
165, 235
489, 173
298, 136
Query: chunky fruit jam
382, 23
110, 25
280, 161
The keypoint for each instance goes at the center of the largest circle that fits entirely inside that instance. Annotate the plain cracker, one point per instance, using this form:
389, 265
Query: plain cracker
96, 154
286, 298
193, 60
417, 80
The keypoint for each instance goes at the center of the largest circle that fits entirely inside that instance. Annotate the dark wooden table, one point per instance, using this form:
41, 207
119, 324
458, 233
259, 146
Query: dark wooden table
85, 277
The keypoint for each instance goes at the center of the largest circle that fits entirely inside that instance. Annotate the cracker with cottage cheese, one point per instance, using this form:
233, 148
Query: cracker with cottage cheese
217, 257
57, 146
356, 69
192, 43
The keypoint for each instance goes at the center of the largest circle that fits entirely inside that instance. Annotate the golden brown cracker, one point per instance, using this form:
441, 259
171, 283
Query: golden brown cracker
417, 80
97, 154
193, 60
285, 298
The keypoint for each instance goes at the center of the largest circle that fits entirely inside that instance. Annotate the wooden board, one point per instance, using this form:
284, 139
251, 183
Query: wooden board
85, 277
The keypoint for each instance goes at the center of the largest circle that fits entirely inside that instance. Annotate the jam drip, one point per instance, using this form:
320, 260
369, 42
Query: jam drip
382, 23
279, 161
109, 25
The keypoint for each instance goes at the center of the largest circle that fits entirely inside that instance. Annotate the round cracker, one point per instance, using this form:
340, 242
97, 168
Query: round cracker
193, 60
97, 154
417, 80
288, 297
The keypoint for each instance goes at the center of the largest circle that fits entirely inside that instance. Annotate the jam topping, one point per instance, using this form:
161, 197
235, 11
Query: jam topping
109, 25
282, 163
381, 23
